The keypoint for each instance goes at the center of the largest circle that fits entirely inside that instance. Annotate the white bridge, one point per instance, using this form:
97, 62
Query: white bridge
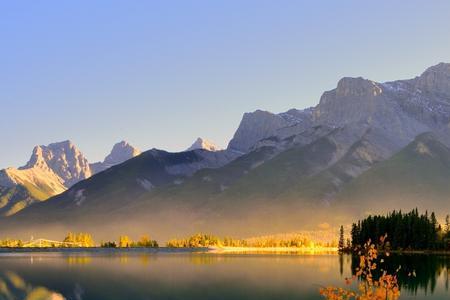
49, 243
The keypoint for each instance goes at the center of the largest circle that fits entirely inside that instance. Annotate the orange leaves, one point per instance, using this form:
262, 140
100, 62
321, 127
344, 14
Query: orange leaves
385, 287
334, 293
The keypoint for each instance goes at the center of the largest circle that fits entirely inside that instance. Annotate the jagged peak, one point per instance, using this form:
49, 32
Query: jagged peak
201, 143
65, 144
120, 152
63, 158
40, 153
125, 145
46, 152
36, 160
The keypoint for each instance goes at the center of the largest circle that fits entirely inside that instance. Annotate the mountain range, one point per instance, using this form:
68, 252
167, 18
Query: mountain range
366, 147
51, 170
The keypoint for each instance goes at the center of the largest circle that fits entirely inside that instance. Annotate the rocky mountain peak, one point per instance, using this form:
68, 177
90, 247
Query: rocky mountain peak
436, 79
121, 152
358, 87
353, 100
204, 144
255, 126
36, 160
63, 158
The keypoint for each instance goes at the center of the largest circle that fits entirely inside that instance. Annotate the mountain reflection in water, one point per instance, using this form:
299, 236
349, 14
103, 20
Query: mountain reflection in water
201, 276
12, 287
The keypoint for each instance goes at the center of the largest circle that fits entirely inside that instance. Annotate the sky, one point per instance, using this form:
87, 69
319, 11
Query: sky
159, 74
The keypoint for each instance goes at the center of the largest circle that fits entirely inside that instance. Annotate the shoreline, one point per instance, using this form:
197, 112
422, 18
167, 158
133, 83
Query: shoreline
213, 249
204, 250
303, 250
408, 252
434, 252
100, 250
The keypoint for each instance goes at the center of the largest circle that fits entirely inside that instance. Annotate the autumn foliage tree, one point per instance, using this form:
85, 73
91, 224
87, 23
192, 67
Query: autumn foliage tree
383, 286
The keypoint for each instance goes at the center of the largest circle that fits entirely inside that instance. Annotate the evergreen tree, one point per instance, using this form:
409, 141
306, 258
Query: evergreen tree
404, 231
341, 238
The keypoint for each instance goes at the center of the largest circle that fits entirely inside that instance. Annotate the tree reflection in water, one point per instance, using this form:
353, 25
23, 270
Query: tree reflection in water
418, 272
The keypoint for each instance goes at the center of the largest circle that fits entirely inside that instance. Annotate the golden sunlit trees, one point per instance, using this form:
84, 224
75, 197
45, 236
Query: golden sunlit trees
146, 241
124, 241
207, 240
11, 243
195, 241
79, 240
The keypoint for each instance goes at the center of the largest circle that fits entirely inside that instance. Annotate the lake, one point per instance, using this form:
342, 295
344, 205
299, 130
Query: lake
97, 276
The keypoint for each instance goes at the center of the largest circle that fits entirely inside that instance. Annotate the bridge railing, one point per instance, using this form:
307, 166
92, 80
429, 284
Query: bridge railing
50, 243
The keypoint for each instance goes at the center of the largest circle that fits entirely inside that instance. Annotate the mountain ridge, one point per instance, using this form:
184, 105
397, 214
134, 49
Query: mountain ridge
279, 171
51, 170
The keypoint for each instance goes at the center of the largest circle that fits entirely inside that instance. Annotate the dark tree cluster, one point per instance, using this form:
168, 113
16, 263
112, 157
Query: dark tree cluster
405, 231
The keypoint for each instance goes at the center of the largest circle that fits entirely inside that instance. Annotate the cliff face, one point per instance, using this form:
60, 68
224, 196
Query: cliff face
64, 159
436, 80
260, 124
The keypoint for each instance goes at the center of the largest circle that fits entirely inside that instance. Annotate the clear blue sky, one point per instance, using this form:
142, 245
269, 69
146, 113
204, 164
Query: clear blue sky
161, 73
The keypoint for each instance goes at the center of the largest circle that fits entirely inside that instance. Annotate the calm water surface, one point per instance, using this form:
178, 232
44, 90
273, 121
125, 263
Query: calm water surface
198, 276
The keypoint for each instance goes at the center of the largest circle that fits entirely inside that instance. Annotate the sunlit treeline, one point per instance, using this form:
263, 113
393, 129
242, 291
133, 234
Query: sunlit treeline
126, 242
207, 240
197, 240
289, 240
80, 240
11, 243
